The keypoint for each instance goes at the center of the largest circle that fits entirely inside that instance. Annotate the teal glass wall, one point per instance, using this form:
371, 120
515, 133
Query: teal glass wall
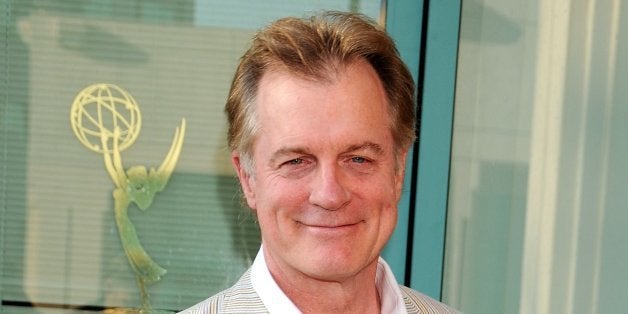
429, 47
59, 247
403, 22
537, 212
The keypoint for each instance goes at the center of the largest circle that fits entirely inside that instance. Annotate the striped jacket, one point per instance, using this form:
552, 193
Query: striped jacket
241, 298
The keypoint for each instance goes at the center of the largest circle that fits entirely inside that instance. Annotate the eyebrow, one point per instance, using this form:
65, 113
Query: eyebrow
283, 151
366, 146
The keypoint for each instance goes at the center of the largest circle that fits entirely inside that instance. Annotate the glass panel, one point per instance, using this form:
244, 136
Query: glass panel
537, 209
60, 244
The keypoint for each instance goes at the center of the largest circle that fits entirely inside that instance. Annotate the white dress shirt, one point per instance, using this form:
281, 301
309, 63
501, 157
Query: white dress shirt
276, 300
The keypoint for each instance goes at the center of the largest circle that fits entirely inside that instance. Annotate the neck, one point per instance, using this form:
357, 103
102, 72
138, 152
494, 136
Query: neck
355, 294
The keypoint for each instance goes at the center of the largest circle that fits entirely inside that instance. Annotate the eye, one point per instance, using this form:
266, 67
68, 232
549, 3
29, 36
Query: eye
295, 162
361, 164
358, 159
296, 168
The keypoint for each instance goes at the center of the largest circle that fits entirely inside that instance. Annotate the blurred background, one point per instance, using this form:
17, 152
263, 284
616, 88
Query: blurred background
518, 178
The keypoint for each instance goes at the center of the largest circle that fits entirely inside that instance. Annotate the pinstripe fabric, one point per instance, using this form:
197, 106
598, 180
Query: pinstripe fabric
241, 298
418, 303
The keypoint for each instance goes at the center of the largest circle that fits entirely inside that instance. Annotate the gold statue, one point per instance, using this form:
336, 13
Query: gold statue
107, 120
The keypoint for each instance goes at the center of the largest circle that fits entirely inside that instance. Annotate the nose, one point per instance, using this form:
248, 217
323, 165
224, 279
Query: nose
329, 188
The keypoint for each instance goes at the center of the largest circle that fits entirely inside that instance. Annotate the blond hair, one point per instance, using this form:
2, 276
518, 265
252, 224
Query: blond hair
315, 48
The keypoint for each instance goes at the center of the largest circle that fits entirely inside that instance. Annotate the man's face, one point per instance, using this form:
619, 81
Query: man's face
324, 183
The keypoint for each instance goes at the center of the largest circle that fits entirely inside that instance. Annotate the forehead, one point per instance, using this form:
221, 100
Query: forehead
351, 103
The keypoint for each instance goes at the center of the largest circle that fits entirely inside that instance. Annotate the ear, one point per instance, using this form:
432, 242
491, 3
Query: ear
246, 181
400, 172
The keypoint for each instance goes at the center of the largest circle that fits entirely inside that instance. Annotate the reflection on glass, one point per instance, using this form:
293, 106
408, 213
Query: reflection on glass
537, 211
107, 113
60, 246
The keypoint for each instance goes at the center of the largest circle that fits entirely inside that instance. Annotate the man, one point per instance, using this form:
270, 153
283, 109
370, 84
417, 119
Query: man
321, 117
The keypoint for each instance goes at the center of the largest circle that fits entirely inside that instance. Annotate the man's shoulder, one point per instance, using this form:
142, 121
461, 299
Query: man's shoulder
239, 298
417, 302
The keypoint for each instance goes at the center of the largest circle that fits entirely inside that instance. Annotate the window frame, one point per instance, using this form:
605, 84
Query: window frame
429, 46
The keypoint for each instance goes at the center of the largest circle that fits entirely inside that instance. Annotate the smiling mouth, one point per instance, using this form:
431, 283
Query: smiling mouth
331, 227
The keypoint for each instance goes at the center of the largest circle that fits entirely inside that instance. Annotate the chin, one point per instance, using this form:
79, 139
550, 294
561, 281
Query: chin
337, 265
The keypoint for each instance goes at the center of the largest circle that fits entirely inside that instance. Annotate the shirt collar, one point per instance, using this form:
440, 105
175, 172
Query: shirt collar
269, 292
388, 288
276, 301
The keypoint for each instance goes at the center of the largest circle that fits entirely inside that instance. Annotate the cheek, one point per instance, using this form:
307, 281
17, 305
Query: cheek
278, 197
388, 210
388, 201
385, 189
390, 217
277, 211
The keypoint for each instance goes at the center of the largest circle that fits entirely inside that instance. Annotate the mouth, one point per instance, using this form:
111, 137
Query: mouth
331, 228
